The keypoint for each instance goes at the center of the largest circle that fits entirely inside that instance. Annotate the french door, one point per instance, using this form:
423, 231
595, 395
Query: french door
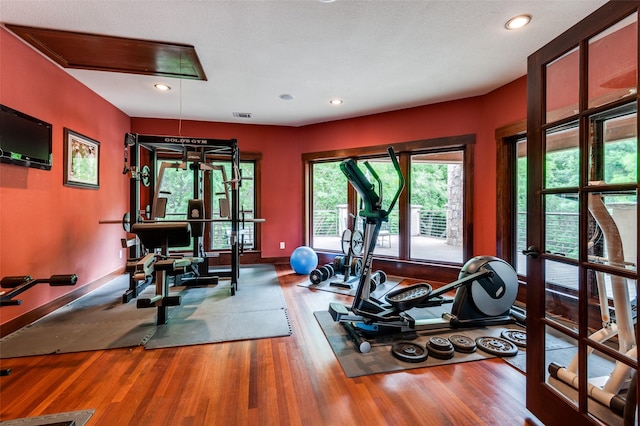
582, 220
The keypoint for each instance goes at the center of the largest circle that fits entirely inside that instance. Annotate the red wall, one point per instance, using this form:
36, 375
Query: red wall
48, 228
45, 227
282, 186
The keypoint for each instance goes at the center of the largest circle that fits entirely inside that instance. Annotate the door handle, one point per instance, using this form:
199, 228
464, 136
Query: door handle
532, 251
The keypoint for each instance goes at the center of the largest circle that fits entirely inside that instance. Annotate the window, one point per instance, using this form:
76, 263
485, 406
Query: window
175, 189
430, 220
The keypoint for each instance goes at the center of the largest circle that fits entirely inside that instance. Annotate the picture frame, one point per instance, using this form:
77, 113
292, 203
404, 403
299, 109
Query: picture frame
81, 160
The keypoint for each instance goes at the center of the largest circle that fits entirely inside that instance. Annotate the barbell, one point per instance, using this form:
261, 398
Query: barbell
126, 221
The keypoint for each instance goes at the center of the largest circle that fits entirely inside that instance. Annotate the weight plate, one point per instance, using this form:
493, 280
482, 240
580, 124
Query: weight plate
519, 337
382, 277
356, 267
440, 343
315, 276
409, 352
440, 348
496, 346
146, 175
346, 241
126, 222
329, 267
357, 243
462, 343
325, 272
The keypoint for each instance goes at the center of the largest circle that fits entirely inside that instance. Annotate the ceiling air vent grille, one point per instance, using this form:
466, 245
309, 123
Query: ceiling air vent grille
242, 114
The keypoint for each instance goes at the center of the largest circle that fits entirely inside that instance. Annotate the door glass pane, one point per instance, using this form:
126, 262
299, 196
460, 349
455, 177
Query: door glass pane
613, 147
521, 207
561, 285
562, 159
561, 224
607, 378
330, 213
562, 78
560, 351
437, 205
613, 63
612, 229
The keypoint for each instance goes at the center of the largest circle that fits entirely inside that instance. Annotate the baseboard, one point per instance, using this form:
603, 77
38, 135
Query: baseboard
28, 317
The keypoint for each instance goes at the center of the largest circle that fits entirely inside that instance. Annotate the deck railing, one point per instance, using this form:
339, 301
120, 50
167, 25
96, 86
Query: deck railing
433, 223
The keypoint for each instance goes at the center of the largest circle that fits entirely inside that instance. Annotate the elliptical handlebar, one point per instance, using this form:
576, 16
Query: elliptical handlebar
367, 191
401, 181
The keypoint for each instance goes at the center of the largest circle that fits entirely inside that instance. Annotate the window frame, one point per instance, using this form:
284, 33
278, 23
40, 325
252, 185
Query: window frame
403, 264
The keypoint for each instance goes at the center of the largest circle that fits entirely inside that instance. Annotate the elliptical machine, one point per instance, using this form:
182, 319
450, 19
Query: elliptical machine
485, 290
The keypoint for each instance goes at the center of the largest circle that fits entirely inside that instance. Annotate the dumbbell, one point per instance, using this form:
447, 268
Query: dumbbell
320, 274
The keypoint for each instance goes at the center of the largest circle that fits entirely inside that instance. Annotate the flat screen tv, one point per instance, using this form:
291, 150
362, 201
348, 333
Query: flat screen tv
24, 140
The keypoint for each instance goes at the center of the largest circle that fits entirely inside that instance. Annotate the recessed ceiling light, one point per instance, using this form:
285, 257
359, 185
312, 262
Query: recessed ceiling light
162, 87
335, 101
517, 22
286, 97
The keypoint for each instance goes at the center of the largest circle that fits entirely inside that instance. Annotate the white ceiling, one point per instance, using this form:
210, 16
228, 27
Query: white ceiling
376, 55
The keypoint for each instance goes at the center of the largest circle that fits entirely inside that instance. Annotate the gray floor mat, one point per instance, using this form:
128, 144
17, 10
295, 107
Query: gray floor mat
79, 417
380, 359
380, 291
99, 320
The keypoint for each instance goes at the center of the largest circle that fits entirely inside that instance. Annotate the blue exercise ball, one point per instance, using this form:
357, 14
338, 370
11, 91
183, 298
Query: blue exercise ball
303, 260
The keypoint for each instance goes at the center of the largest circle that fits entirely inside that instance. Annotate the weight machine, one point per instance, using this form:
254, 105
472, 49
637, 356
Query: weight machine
191, 154
18, 284
485, 291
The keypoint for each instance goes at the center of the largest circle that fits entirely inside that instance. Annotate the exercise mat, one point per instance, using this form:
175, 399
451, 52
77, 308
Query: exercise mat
210, 314
79, 418
99, 320
380, 359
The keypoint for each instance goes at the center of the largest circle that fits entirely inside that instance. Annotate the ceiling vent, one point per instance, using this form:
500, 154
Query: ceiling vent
242, 114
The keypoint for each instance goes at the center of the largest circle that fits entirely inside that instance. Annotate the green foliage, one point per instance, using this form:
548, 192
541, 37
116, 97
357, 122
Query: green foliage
429, 185
329, 186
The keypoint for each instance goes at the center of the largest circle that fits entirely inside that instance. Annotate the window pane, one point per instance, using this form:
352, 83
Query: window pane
176, 187
562, 78
387, 244
330, 214
437, 206
521, 207
221, 205
562, 159
613, 63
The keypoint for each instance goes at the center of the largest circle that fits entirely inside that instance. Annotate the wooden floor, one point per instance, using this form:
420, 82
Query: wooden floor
292, 380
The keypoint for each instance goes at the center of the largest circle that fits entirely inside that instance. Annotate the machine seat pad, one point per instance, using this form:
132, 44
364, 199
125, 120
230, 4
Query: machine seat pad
166, 264
156, 235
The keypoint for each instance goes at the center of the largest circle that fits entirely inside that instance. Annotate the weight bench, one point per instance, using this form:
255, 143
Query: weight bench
162, 236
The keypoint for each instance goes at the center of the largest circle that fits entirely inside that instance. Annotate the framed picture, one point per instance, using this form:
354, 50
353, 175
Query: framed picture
81, 160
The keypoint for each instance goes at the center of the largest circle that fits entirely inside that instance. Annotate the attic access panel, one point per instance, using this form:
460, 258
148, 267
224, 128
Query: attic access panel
115, 54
